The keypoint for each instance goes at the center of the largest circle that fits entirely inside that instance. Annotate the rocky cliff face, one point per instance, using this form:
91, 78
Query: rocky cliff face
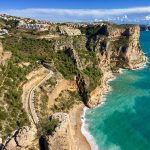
61, 138
134, 54
104, 47
21, 139
86, 53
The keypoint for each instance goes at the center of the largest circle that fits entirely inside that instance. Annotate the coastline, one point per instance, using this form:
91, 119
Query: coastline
108, 77
86, 132
73, 132
80, 141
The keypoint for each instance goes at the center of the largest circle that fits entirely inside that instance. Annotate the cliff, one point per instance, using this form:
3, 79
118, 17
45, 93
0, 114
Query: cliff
99, 49
21, 139
82, 56
97, 53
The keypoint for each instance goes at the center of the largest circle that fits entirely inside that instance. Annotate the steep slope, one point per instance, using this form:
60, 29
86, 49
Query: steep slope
84, 55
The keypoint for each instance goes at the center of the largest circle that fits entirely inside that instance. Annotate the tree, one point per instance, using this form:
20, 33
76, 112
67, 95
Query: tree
47, 126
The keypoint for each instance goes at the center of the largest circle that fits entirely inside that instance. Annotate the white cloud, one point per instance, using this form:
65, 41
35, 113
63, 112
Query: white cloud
75, 14
82, 12
147, 18
125, 17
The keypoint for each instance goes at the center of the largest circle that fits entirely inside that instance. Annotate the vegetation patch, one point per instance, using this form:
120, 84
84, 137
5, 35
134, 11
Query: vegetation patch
11, 96
65, 101
65, 65
26, 49
122, 42
94, 74
87, 56
47, 126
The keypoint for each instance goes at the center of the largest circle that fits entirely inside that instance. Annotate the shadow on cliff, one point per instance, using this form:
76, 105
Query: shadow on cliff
43, 143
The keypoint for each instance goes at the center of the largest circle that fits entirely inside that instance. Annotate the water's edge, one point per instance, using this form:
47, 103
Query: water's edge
84, 127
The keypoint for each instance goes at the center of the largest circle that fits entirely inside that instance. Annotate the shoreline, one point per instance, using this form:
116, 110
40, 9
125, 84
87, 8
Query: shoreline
79, 139
108, 77
86, 132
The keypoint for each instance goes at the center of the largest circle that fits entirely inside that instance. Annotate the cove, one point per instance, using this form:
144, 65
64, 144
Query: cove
123, 121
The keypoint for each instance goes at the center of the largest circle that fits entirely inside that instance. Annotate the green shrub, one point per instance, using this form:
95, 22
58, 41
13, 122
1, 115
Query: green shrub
66, 103
3, 115
47, 126
65, 65
94, 74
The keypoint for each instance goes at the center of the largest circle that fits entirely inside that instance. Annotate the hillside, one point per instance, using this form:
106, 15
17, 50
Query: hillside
81, 57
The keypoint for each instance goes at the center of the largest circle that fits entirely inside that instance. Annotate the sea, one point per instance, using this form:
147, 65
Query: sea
122, 121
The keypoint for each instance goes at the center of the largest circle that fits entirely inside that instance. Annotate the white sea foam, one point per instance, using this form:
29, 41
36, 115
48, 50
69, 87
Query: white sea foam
142, 67
84, 127
86, 133
121, 70
109, 89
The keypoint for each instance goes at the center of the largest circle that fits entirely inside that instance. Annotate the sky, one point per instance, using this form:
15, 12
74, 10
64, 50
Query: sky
120, 11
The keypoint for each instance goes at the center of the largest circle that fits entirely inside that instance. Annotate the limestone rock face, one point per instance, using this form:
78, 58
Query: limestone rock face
116, 33
69, 31
134, 54
61, 138
122, 45
21, 139
102, 47
114, 46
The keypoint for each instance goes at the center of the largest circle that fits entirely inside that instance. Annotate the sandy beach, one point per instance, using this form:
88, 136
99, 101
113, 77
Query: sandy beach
75, 114
75, 123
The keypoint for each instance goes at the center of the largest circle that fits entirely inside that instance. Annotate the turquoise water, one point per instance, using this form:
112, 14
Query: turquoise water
123, 122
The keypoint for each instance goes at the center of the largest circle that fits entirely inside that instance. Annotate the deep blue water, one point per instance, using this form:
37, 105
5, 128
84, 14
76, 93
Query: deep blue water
123, 122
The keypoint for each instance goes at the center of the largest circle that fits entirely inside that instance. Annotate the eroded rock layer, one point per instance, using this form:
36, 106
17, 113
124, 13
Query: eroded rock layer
83, 57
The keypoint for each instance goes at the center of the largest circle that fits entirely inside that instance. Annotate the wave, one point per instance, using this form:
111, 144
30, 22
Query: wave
142, 67
109, 89
86, 133
84, 127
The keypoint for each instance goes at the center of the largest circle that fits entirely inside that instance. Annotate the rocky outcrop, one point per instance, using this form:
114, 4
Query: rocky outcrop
61, 138
21, 139
118, 48
96, 50
134, 55
69, 31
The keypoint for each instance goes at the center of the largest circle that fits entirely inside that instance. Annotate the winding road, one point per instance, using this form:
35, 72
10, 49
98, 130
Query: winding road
31, 98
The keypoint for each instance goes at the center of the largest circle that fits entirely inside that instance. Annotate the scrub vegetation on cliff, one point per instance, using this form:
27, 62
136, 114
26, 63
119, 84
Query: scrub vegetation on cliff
12, 115
81, 53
